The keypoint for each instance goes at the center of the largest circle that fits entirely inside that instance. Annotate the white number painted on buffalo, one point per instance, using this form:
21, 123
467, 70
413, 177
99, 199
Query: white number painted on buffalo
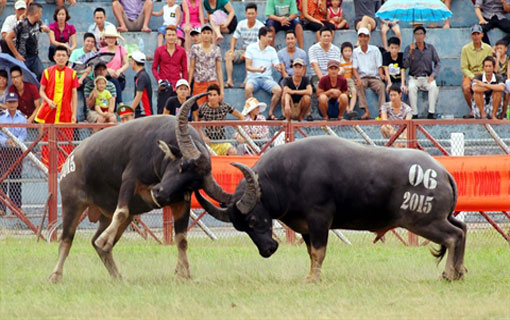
416, 202
69, 166
417, 176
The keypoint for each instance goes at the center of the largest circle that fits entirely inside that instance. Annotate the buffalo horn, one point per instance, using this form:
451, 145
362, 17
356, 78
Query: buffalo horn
252, 193
218, 213
166, 149
186, 145
214, 190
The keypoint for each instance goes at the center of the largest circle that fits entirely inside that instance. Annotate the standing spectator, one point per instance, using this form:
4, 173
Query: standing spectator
488, 89
20, 8
332, 93
335, 15
26, 32
173, 104
321, 52
393, 64
422, 61
171, 17
283, 15
10, 152
205, 66
216, 110
346, 64
221, 16
58, 90
29, 99
99, 25
4, 78
395, 110
105, 102
364, 11
120, 62
492, 14
471, 63
126, 113
314, 16
142, 103
260, 58
247, 32
297, 92
61, 33
290, 53
251, 111
90, 93
132, 15
387, 26
368, 71
169, 65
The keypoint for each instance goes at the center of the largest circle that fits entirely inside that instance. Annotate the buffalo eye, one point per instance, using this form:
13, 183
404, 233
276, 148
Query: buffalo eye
251, 222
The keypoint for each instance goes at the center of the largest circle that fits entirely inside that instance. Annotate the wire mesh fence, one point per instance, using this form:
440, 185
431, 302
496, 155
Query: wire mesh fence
26, 182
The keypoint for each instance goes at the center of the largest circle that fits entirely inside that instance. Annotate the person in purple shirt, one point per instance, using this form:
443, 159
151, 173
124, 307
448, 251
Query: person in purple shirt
132, 15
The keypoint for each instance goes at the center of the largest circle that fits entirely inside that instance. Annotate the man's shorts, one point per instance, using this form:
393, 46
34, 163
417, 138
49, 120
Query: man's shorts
295, 110
278, 26
488, 107
238, 54
267, 84
92, 116
333, 110
221, 148
134, 25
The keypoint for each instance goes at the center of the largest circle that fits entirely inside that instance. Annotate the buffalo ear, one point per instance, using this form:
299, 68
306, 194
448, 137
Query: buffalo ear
166, 149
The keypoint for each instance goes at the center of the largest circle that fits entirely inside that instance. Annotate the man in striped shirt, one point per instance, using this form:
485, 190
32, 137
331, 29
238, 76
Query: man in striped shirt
320, 53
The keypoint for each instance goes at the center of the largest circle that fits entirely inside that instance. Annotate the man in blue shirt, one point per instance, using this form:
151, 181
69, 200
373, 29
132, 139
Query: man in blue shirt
9, 150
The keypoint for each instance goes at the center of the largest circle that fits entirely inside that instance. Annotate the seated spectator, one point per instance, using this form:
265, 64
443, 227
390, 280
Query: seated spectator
216, 110
120, 62
492, 14
364, 11
488, 88
314, 16
251, 112
321, 52
205, 65
105, 102
395, 109
59, 2
89, 45
221, 16
332, 93
170, 64
98, 27
393, 64
20, 8
142, 103
4, 78
346, 64
387, 26
90, 93
29, 99
368, 71
335, 15
297, 92
502, 69
171, 17
291, 53
192, 15
61, 33
173, 104
471, 63
126, 113
132, 15
26, 47
247, 33
260, 58
283, 15
2, 5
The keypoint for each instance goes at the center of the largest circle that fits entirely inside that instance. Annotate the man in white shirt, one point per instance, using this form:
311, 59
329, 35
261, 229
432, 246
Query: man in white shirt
260, 57
98, 26
368, 71
320, 53
20, 7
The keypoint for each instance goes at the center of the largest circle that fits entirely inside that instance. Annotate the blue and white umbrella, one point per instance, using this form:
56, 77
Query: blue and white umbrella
7, 61
414, 11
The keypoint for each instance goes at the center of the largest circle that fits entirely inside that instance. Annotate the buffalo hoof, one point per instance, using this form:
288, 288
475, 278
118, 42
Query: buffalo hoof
313, 279
183, 274
55, 277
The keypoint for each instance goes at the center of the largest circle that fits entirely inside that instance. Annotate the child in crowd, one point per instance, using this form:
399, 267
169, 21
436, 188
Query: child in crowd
346, 63
393, 65
335, 15
105, 103
502, 69
171, 16
385, 27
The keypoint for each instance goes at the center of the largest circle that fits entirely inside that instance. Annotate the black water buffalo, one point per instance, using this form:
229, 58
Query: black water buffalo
323, 183
131, 169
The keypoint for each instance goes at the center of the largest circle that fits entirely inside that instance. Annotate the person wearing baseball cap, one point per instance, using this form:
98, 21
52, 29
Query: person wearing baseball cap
173, 104
332, 92
471, 63
142, 103
9, 150
297, 92
368, 71
20, 8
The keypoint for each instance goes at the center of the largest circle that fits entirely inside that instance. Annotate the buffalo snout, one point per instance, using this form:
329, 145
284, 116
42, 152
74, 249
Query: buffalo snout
268, 249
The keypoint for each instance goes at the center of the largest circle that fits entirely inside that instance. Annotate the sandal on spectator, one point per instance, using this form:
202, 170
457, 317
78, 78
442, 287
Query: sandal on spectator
281, 118
271, 117
468, 116
228, 85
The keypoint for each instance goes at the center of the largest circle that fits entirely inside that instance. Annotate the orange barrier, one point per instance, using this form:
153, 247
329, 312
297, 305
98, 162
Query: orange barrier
483, 182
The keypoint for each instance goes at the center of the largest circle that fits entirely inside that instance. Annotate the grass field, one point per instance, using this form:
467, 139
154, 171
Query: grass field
231, 281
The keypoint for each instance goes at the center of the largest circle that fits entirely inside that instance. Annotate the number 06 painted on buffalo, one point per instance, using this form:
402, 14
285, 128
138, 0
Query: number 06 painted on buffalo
417, 176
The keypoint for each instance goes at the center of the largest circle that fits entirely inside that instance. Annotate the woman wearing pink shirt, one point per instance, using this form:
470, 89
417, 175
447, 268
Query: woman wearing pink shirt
119, 63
